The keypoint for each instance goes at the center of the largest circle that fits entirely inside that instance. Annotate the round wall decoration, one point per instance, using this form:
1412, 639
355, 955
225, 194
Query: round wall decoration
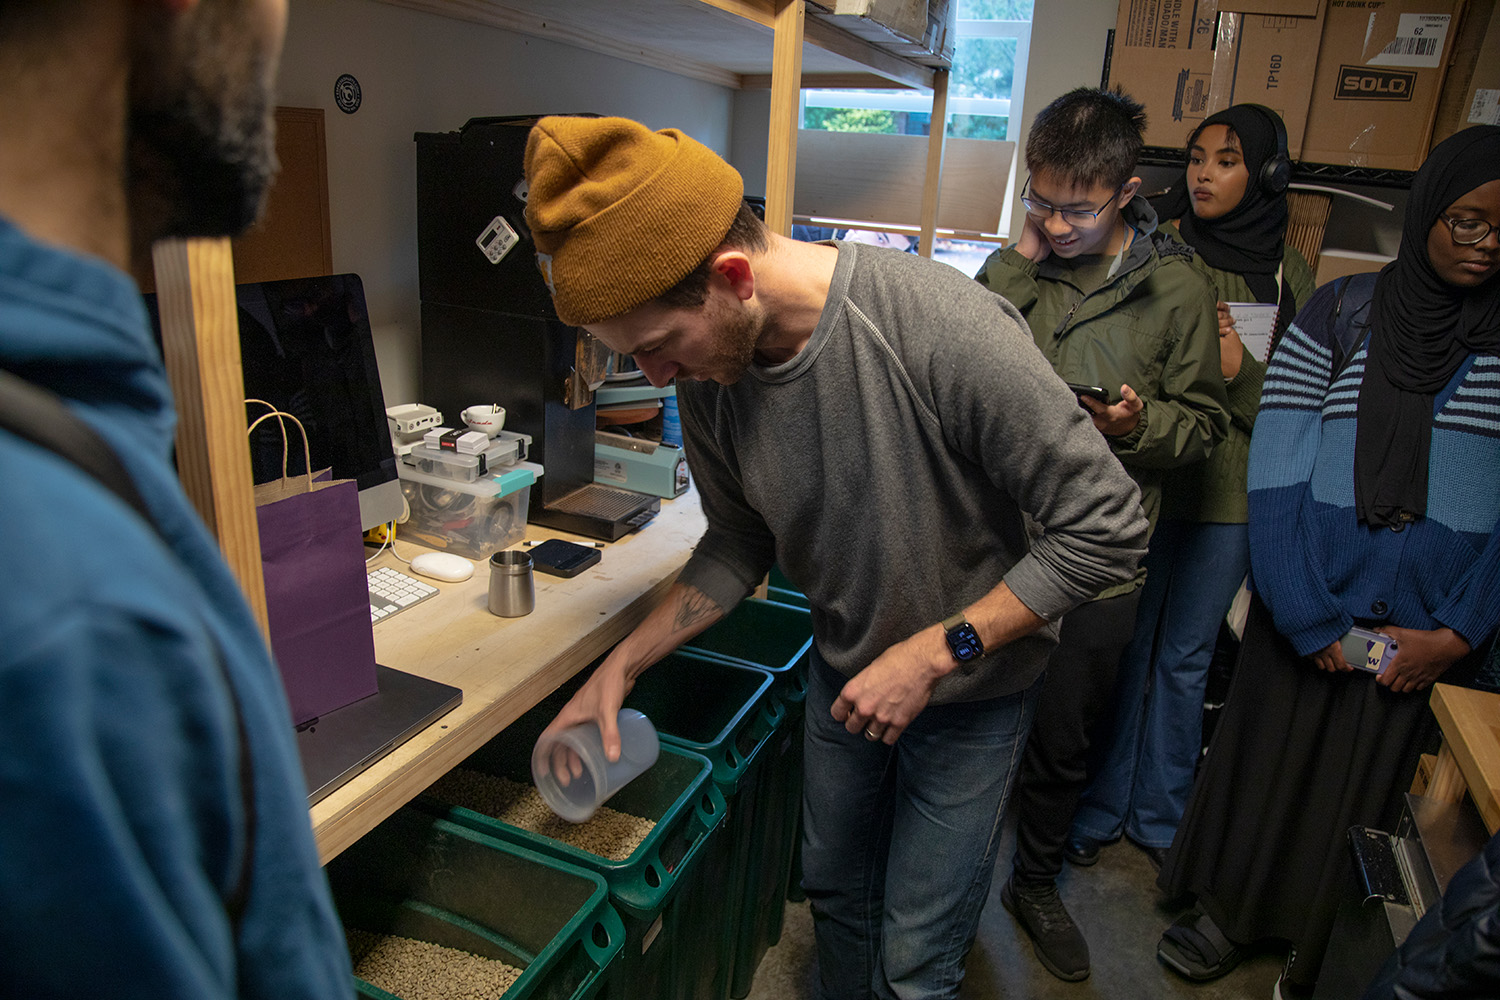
346, 94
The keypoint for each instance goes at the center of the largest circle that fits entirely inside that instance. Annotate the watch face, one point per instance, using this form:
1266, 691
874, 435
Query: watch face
964, 642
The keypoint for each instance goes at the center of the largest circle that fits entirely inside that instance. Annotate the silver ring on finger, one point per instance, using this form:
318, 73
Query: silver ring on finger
871, 736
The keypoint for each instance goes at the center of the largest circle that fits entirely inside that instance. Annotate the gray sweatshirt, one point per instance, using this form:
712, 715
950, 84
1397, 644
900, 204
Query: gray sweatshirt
917, 452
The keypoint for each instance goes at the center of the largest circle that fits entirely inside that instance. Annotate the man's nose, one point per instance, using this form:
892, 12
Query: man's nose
658, 373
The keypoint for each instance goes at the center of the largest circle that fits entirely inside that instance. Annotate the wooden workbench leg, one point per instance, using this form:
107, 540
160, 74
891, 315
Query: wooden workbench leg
786, 104
935, 142
1447, 784
201, 343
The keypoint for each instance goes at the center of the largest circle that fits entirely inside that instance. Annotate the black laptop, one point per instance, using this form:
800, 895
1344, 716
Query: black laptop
337, 746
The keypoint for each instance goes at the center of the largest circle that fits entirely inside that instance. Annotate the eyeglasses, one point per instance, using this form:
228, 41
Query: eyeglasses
1467, 232
1077, 216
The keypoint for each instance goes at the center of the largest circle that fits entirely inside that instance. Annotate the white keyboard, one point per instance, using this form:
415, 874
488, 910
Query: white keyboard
392, 591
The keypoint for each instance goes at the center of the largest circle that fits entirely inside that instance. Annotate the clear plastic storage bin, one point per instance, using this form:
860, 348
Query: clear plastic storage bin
474, 520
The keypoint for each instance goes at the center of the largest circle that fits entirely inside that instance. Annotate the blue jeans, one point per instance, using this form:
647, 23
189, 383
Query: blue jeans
1145, 773
899, 842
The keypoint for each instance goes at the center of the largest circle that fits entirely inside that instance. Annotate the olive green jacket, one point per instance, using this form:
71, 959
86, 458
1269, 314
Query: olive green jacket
1216, 490
1153, 327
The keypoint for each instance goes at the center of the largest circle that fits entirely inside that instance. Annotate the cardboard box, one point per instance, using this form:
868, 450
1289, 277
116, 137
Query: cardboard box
1380, 71
1185, 62
1268, 58
1471, 92
1334, 264
1163, 57
925, 31
1166, 24
907, 18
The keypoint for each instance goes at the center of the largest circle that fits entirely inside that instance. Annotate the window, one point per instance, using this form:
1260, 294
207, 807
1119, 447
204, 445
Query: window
986, 87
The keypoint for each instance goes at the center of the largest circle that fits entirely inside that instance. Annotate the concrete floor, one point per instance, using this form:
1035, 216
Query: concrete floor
1118, 907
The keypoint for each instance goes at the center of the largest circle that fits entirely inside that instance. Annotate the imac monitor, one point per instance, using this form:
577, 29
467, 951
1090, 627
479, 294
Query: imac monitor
306, 348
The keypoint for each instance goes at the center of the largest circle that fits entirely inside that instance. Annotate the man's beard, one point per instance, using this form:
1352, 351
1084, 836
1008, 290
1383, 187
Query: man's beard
737, 331
202, 148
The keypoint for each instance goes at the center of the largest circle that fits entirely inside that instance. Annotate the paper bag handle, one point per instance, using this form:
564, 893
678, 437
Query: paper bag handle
282, 417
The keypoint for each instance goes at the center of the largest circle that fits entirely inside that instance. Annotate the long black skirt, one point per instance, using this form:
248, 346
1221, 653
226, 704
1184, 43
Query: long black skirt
1299, 757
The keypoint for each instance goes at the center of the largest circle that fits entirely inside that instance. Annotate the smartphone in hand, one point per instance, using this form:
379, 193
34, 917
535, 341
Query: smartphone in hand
1368, 650
1092, 391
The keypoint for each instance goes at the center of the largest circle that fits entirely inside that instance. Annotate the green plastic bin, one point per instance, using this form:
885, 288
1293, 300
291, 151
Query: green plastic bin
419, 876
778, 638
727, 711
666, 954
768, 634
779, 588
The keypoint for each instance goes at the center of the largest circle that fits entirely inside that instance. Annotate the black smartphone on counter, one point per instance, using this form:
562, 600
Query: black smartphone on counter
556, 557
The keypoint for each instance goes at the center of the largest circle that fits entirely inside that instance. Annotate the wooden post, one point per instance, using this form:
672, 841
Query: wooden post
934, 179
1447, 782
201, 343
786, 102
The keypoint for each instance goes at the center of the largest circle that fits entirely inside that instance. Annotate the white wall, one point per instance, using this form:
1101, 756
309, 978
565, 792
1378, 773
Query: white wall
423, 73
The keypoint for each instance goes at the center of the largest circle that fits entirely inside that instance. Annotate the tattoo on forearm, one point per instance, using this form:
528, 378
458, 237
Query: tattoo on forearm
695, 607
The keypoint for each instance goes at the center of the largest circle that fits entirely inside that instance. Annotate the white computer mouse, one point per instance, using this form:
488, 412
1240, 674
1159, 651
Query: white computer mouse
442, 566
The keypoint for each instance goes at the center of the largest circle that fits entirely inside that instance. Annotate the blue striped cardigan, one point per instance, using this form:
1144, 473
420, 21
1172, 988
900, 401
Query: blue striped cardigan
1315, 566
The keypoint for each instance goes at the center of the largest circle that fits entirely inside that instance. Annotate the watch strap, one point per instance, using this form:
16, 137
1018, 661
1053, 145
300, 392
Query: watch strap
953, 621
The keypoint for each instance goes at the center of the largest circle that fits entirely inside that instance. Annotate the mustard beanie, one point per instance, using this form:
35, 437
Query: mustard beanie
619, 213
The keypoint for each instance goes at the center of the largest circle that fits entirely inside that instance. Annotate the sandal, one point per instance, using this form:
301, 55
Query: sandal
1195, 947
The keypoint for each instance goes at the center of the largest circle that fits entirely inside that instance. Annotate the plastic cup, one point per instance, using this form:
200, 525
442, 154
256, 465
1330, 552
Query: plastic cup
576, 800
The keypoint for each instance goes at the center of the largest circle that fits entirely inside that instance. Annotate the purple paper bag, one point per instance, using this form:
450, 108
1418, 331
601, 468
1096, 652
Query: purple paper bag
317, 596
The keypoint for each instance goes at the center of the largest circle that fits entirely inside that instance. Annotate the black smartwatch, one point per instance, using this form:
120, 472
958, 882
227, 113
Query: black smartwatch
963, 640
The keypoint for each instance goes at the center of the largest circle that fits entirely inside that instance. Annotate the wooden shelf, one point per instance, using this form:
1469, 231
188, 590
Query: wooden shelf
728, 42
784, 45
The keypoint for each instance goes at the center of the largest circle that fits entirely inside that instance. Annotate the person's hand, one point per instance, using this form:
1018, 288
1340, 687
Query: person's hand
1033, 244
598, 701
1331, 658
1231, 347
883, 698
1422, 656
1115, 419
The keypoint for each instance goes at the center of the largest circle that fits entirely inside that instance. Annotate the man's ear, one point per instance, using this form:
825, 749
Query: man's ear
1127, 191
733, 266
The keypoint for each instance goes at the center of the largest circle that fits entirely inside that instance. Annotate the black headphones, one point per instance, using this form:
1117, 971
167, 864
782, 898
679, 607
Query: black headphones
1276, 172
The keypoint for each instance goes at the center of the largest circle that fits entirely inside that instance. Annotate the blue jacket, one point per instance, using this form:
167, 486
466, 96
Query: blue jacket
122, 823
1317, 568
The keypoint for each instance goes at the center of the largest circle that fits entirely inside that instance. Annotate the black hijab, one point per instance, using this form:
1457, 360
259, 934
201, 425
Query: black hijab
1422, 330
1250, 238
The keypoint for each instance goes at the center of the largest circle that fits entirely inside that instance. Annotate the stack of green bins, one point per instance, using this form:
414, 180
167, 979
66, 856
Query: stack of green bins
727, 712
665, 883
417, 876
777, 638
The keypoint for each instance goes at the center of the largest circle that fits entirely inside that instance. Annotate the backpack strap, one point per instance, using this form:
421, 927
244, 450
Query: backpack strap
36, 415
1350, 317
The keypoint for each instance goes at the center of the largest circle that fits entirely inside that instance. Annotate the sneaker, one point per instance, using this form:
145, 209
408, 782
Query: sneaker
1057, 941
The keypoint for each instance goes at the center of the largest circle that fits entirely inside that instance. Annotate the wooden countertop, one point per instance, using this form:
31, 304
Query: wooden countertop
503, 665
1471, 733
